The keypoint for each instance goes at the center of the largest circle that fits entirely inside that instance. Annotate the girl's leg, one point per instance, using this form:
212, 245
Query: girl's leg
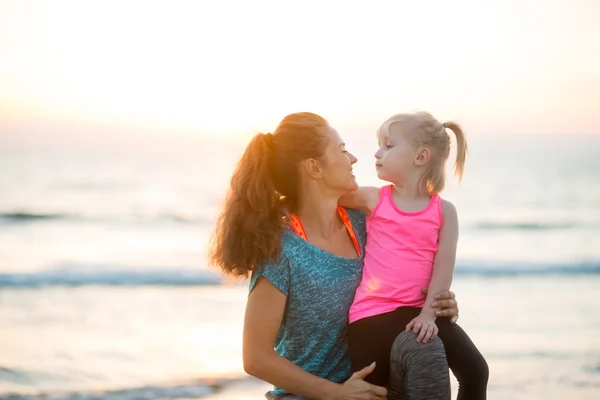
370, 339
466, 362
418, 371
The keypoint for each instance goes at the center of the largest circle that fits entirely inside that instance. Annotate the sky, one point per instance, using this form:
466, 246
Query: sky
108, 70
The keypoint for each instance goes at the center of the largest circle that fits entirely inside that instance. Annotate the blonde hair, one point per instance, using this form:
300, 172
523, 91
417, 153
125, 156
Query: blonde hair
430, 133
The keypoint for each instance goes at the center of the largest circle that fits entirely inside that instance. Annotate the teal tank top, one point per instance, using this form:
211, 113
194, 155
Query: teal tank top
320, 288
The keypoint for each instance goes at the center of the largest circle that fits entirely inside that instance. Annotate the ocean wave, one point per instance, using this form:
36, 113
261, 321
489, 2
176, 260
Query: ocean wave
88, 275
23, 216
188, 390
529, 226
191, 218
527, 269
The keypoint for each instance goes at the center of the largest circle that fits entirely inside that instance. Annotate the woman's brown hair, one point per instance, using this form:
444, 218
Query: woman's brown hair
264, 185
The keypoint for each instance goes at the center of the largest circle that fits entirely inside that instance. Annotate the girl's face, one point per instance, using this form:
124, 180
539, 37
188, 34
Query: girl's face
395, 158
337, 168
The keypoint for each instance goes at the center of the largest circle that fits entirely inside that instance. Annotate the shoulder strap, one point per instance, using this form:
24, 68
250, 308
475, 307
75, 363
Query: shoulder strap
438, 207
386, 191
298, 229
346, 220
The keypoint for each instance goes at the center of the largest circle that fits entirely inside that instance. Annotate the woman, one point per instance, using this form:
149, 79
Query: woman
303, 280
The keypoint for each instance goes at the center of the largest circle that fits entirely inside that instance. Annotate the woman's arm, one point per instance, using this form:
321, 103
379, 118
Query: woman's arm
443, 269
365, 198
264, 312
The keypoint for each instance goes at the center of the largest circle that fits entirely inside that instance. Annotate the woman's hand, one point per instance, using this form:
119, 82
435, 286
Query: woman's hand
356, 388
446, 304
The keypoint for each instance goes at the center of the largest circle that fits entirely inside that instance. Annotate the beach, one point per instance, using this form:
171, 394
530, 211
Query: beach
537, 344
105, 291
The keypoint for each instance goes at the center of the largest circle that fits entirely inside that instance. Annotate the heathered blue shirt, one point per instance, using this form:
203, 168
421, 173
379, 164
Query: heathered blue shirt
320, 289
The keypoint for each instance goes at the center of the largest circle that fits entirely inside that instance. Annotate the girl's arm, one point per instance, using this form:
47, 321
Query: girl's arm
264, 312
445, 257
443, 269
365, 198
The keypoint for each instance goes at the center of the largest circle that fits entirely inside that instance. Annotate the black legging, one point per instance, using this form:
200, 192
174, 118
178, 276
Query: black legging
370, 339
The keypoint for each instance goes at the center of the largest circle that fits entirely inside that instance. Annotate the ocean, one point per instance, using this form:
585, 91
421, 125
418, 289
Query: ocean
105, 292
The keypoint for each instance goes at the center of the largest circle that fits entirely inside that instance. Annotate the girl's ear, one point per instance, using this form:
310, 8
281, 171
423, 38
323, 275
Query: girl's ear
422, 156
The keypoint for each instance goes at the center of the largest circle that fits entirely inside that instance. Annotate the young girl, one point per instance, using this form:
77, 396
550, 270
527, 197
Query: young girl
411, 245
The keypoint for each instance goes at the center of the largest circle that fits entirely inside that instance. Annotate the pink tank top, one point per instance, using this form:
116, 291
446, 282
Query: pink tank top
399, 256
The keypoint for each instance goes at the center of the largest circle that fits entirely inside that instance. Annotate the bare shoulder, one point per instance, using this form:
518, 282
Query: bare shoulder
448, 208
449, 213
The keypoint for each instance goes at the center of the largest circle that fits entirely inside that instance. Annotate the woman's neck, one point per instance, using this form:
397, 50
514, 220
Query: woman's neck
318, 215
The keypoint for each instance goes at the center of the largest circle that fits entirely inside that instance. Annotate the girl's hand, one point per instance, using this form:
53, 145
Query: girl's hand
425, 326
356, 388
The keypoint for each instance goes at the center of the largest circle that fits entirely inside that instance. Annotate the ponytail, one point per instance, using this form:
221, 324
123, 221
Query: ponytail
247, 231
461, 148
264, 187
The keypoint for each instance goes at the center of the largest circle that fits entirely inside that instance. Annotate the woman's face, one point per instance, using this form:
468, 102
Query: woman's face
337, 167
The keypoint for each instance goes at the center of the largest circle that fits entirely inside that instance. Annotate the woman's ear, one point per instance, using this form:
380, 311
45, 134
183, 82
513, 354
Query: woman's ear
313, 168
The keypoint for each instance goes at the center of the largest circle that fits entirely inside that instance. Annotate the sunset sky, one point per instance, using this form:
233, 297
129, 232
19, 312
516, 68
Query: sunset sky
105, 68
